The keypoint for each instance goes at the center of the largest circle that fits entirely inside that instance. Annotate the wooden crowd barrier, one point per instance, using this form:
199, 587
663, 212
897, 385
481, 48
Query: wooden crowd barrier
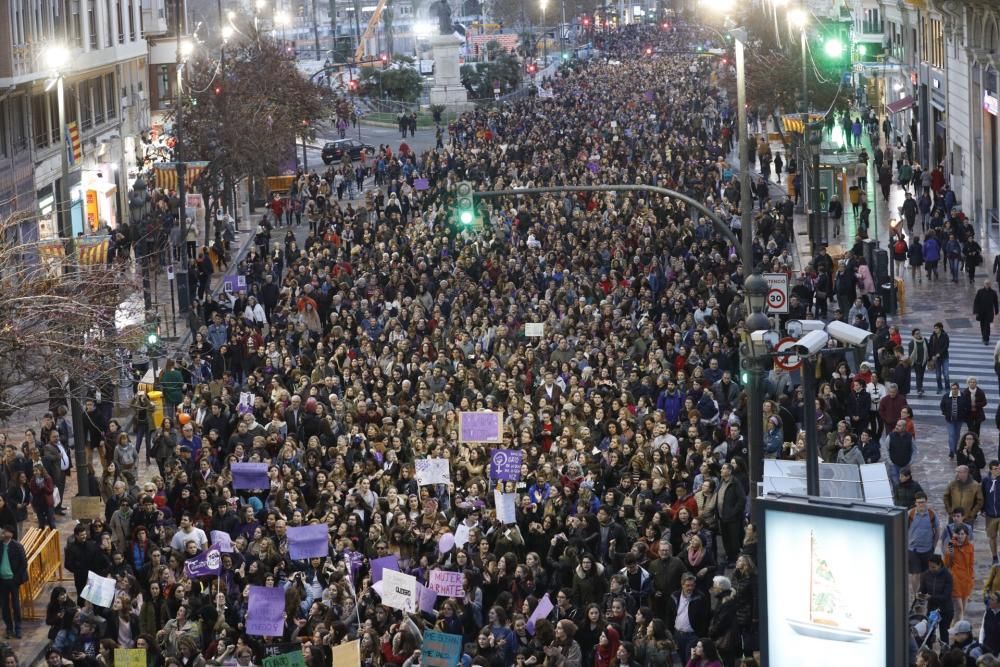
44, 565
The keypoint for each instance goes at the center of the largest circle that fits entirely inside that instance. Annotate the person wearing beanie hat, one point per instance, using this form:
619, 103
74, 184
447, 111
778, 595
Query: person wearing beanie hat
564, 651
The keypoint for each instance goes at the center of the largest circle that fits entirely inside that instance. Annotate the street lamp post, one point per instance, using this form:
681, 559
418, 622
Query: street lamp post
57, 59
545, 42
184, 49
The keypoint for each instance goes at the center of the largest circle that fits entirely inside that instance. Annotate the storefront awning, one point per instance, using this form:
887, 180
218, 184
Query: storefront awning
900, 105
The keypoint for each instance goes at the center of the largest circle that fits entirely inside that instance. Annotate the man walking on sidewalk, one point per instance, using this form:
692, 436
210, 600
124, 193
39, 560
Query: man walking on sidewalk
13, 573
985, 307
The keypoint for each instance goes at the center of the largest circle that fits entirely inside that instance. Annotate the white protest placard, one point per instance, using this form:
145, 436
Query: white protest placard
534, 329
99, 590
446, 583
506, 507
461, 535
399, 591
432, 471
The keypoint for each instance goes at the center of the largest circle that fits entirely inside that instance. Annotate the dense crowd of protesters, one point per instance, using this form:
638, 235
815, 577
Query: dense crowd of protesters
349, 358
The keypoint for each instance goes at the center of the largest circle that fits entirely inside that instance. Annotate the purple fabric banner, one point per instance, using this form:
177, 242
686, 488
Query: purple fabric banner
266, 612
205, 564
420, 184
309, 541
505, 464
386, 563
250, 476
222, 540
543, 609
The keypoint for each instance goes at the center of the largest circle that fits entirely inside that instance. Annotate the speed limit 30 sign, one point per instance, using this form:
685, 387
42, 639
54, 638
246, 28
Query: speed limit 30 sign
777, 293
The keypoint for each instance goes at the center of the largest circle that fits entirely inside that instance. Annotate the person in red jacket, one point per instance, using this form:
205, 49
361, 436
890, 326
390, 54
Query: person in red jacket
42, 501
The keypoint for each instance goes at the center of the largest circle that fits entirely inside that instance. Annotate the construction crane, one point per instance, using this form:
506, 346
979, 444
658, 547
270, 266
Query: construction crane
376, 16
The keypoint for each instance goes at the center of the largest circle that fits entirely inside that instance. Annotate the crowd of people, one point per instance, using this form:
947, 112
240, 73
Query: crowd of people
347, 360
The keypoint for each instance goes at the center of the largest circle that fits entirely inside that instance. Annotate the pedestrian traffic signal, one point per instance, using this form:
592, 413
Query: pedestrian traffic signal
834, 48
465, 204
649, 50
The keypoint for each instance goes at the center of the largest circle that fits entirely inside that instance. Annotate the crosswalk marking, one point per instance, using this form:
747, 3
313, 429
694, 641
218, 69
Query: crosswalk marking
967, 357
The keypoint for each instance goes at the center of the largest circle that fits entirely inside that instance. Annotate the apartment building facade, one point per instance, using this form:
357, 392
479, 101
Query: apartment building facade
106, 110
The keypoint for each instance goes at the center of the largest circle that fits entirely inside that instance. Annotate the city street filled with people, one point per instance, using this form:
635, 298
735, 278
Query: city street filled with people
372, 317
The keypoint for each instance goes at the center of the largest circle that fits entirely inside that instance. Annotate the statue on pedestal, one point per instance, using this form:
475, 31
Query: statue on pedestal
443, 11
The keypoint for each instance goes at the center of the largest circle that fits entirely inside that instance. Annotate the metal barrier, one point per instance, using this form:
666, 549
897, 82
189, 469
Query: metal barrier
44, 565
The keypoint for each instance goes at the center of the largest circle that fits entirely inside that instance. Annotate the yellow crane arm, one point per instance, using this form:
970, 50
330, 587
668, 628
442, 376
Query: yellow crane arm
359, 52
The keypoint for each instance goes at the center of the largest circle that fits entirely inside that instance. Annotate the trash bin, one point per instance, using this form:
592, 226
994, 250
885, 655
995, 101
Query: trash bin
887, 291
156, 398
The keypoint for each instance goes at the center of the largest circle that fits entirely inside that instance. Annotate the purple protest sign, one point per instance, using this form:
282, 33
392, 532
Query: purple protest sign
593, 167
355, 559
648, 95
505, 464
427, 598
386, 563
480, 426
543, 609
250, 476
266, 612
448, 584
309, 541
421, 184
205, 564
222, 540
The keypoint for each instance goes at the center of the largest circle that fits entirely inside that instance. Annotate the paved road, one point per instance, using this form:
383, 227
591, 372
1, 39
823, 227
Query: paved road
370, 134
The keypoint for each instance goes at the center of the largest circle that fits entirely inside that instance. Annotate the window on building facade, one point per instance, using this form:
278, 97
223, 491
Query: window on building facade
120, 21
18, 122
53, 102
131, 20
92, 22
163, 84
86, 107
40, 120
75, 36
97, 95
937, 44
4, 140
110, 96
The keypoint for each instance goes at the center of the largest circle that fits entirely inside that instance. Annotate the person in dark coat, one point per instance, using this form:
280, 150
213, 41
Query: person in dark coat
688, 630
11, 553
731, 506
985, 307
80, 556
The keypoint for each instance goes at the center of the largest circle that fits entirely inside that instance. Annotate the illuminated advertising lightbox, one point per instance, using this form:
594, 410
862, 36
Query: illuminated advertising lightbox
833, 583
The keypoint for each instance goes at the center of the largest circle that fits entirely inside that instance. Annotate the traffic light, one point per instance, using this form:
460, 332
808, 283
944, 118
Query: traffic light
649, 50
352, 86
218, 90
834, 48
862, 50
586, 21
154, 343
565, 56
532, 68
465, 204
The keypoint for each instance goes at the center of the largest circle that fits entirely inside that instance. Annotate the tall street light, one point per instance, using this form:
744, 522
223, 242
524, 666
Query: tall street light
754, 286
56, 58
184, 50
282, 19
545, 43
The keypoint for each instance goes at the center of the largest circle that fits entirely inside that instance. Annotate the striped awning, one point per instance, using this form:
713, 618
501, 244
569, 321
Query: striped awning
166, 174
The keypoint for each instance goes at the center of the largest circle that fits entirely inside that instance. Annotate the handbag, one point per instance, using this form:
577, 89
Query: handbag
932, 365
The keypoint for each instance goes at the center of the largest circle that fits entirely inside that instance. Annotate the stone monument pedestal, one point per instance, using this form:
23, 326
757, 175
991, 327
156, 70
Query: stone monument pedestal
448, 89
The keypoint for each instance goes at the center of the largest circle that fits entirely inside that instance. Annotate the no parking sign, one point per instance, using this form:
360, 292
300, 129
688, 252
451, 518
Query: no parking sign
777, 293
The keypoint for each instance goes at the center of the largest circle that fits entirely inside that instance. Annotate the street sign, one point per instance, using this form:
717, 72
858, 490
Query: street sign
792, 361
777, 293
170, 272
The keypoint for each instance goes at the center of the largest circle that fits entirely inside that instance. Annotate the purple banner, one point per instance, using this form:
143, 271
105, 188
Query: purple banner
427, 597
421, 184
480, 427
222, 540
205, 564
309, 541
386, 563
505, 464
648, 95
266, 612
543, 609
250, 476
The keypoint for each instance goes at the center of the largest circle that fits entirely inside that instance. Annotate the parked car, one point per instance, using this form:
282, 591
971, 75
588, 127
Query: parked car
333, 151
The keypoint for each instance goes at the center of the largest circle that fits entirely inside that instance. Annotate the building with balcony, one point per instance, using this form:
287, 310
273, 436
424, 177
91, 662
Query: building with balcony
105, 106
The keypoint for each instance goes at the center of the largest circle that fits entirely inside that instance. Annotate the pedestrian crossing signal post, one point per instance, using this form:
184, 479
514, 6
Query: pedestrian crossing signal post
466, 215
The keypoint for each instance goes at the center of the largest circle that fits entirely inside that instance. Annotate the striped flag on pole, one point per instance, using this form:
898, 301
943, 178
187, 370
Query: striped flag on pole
74, 148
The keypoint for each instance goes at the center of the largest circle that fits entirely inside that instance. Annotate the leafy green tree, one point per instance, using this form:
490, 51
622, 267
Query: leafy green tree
404, 84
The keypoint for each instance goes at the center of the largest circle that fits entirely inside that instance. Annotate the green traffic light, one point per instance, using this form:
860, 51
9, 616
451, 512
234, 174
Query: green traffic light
152, 338
565, 56
744, 378
465, 217
834, 47
862, 50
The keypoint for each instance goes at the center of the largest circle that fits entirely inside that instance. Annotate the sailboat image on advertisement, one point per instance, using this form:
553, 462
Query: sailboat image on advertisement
828, 616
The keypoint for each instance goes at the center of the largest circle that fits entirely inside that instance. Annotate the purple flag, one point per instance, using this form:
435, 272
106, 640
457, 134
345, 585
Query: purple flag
420, 184
593, 167
355, 559
266, 612
208, 563
648, 95
427, 598
222, 540
386, 563
250, 476
309, 541
543, 609
505, 464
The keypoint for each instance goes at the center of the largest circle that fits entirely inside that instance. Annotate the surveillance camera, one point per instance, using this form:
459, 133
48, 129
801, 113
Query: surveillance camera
799, 328
847, 334
811, 343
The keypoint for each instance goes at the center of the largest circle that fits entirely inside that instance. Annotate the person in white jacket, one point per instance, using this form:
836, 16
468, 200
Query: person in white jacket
254, 312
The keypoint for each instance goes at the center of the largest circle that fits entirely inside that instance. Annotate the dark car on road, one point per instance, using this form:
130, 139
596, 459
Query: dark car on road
334, 151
